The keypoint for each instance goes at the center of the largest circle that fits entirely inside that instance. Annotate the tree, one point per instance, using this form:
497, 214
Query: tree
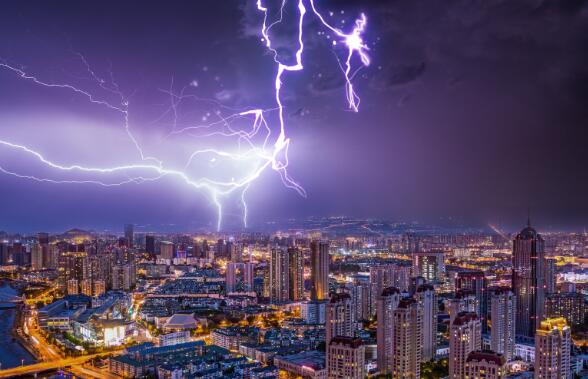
435, 369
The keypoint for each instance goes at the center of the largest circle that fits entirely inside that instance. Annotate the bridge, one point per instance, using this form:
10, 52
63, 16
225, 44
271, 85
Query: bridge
48, 366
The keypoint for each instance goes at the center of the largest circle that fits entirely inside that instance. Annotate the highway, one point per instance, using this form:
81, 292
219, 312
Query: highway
46, 351
45, 366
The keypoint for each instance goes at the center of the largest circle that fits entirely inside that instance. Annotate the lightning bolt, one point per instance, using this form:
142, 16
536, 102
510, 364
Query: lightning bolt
258, 156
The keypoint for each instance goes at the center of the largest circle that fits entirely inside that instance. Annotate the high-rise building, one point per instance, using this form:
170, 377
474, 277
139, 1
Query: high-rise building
408, 340
37, 257
427, 299
360, 294
235, 251
389, 275
553, 342
239, 277
167, 250
464, 301
296, 276
150, 245
385, 307
41, 253
74, 269
53, 257
340, 317
345, 358
429, 265
502, 333
528, 281
569, 305
476, 282
130, 235
319, 270
485, 364
314, 311
465, 336
220, 249
123, 276
279, 274
411, 243
549, 275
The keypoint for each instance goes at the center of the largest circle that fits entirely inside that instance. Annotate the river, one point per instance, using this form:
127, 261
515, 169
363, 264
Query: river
11, 352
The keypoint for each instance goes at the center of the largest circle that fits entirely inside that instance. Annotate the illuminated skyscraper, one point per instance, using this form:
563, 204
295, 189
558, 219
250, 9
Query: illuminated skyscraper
385, 306
340, 317
476, 282
569, 305
360, 293
296, 276
74, 269
502, 334
427, 300
527, 280
37, 257
429, 265
553, 343
319, 264
549, 270
130, 235
408, 340
279, 273
465, 336
167, 250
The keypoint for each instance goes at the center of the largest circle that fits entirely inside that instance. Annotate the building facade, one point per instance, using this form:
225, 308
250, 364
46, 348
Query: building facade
408, 340
386, 305
465, 336
528, 280
346, 358
502, 333
319, 265
553, 341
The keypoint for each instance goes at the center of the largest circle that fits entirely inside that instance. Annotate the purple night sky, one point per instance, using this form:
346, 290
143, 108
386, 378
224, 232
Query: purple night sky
469, 110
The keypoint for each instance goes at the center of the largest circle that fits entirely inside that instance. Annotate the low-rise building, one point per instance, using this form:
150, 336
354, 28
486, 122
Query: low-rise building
232, 337
485, 364
307, 364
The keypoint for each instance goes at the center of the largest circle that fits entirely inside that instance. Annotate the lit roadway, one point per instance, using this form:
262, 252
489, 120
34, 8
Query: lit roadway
51, 356
44, 348
46, 366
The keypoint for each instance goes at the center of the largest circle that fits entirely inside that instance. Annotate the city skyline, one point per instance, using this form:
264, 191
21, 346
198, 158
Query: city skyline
278, 189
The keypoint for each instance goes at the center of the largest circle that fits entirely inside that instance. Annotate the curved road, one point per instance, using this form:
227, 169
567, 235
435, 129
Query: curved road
45, 366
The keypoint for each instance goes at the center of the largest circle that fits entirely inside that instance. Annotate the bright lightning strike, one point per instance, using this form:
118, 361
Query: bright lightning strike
256, 149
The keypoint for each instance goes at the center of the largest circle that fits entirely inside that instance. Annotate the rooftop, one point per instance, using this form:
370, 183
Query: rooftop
488, 356
347, 341
313, 359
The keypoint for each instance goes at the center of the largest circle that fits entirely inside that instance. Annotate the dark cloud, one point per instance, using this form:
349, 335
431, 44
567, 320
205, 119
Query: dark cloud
471, 109
403, 74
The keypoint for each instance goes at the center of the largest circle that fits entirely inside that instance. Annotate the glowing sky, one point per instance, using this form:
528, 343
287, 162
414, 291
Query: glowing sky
474, 112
